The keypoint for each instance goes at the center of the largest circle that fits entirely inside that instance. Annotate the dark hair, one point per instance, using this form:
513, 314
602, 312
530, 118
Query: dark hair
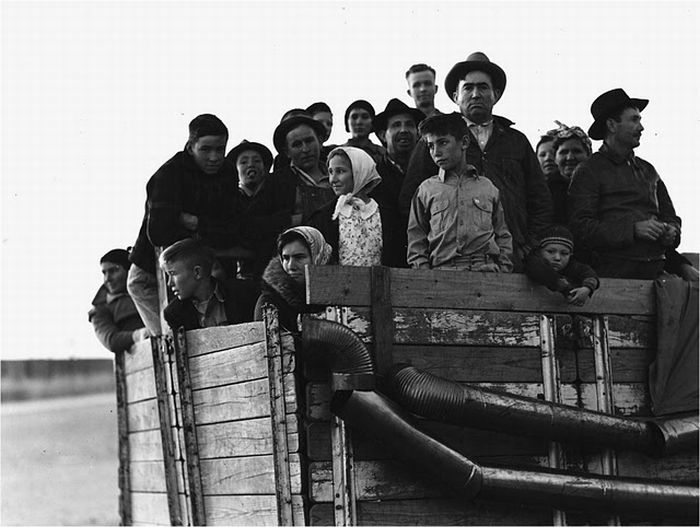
206, 124
117, 256
417, 68
288, 237
543, 141
360, 103
318, 107
444, 124
190, 251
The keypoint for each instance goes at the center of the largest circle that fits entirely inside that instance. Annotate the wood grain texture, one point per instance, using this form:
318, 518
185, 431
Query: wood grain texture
143, 415
149, 508
249, 510
146, 446
140, 385
238, 364
139, 357
208, 340
246, 475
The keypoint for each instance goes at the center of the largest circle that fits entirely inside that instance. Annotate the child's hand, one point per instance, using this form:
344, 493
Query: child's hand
578, 296
489, 268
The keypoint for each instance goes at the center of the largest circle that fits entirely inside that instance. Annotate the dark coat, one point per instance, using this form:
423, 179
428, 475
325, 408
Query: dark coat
286, 182
239, 299
558, 188
575, 274
114, 318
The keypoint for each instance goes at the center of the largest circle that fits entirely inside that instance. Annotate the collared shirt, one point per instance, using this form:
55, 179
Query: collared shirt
212, 312
482, 132
455, 216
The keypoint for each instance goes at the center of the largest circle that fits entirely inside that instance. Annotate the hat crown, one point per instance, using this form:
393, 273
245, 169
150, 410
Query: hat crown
478, 56
395, 106
609, 101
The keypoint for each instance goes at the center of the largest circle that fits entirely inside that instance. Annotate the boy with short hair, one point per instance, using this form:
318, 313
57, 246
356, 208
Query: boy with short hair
202, 301
456, 220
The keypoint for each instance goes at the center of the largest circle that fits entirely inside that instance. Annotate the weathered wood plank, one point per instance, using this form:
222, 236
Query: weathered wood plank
249, 510
623, 331
147, 476
143, 415
456, 511
208, 340
228, 366
140, 385
350, 286
242, 438
139, 357
146, 446
149, 508
628, 365
239, 401
246, 475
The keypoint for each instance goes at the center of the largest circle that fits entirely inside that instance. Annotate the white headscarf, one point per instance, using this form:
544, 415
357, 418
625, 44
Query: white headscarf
364, 177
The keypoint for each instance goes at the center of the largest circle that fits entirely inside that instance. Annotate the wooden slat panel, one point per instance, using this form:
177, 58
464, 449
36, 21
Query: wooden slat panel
249, 510
147, 476
146, 446
349, 286
623, 332
436, 512
140, 385
628, 366
201, 341
246, 475
143, 415
149, 508
139, 357
239, 401
228, 366
242, 438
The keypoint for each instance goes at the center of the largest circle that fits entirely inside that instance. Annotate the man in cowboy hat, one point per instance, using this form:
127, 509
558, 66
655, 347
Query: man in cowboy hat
397, 129
422, 88
496, 149
618, 206
303, 185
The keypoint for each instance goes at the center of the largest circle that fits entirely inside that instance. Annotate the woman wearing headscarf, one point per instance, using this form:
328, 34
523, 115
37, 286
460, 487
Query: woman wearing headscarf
284, 279
362, 225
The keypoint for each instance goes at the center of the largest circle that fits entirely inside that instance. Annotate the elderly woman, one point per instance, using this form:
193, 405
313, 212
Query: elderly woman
284, 279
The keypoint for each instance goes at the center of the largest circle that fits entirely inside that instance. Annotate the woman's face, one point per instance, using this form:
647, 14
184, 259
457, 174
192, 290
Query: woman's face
295, 255
359, 123
569, 155
545, 155
340, 175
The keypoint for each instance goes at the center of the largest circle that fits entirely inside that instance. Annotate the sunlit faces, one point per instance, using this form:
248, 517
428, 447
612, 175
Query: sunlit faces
476, 96
422, 88
340, 175
208, 152
557, 255
401, 134
545, 155
303, 148
359, 122
569, 155
114, 277
295, 255
250, 168
447, 151
326, 119
628, 131
183, 278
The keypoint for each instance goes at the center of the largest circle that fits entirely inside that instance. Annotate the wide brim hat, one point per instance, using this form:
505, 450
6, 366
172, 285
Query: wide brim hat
477, 61
395, 107
251, 145
606, 105
279, 138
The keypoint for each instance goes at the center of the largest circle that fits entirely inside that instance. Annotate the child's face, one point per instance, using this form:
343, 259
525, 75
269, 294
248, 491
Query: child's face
250, 168
446, 150
340, 175
183, 278
556, 255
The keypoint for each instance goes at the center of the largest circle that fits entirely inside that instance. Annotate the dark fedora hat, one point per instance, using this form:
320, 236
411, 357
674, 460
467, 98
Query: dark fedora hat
244, 145
279, 138
395, 107
606, 105
477, 61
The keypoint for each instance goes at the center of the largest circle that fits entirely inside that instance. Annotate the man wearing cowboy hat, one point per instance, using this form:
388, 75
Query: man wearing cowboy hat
496, 149
397, 129
618, 206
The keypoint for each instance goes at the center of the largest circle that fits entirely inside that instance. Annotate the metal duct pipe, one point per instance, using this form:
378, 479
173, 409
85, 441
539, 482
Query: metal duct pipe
388, 424
679, 433
441, 399
340, 349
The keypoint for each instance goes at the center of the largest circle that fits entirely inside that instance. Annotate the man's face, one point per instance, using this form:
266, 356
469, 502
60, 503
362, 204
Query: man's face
446, 150
250, 168
359, 122
303, 148
326, 119
556, 255
422, 88
476, 96
208, 152
295, 256
545, 155
570, 154
401, 134
114, 277
628, 131
183, 278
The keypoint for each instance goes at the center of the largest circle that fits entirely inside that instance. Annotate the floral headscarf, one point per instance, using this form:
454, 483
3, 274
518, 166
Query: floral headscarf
564, 133
319, 248
364, 176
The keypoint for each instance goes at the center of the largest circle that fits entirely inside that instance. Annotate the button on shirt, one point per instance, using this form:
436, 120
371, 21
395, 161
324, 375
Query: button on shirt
453, 216
482, 132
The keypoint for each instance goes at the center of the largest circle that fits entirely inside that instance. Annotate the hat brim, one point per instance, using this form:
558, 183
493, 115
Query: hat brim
261, 149
382, 119
459, 70
597, 129
279, 137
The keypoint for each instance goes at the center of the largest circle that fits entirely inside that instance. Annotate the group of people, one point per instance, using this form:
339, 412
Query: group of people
451, 191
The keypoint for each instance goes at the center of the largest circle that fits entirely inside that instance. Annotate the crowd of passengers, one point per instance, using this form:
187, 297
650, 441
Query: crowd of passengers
462, 191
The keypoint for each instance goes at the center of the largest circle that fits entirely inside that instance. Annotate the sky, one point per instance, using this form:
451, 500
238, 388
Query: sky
96, 95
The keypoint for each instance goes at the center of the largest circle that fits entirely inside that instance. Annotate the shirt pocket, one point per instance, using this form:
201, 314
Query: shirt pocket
439, 212
483, 213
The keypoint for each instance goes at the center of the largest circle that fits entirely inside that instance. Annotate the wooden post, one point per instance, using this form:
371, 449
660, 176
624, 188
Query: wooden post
169, 456
189, 431
123, 434
382, 318
278, 417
